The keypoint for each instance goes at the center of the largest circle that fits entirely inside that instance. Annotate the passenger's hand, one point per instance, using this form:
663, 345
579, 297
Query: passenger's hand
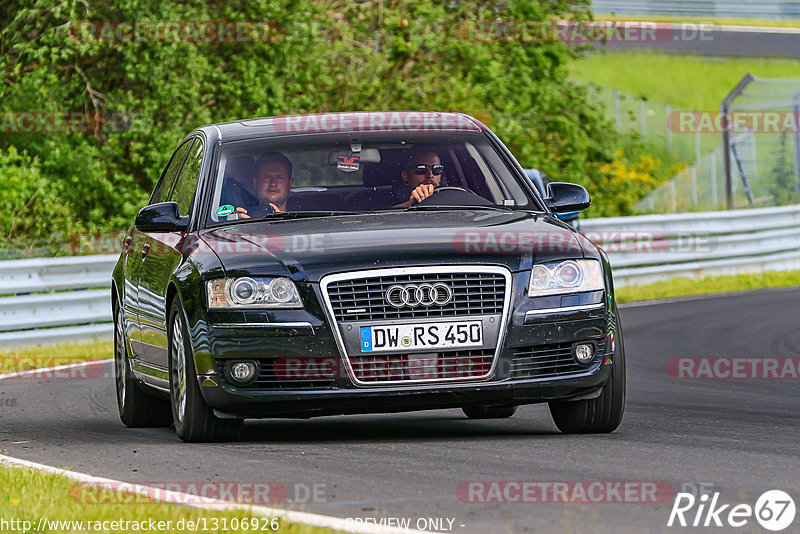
422, 192
242, 213
275, 208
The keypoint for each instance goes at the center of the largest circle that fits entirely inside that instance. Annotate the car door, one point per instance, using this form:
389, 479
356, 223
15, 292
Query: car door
132, 244
162, 260
139, 249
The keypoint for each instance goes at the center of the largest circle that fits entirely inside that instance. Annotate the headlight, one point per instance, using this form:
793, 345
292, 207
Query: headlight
570, 276
249, 292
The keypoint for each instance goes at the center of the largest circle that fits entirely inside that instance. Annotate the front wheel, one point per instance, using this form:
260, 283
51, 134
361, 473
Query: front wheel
602, 414
194, 419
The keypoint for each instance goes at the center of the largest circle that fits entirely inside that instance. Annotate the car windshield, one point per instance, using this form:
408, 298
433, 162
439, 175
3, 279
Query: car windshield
334, 174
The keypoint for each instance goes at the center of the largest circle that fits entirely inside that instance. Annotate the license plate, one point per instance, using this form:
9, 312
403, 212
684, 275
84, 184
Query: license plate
421, 336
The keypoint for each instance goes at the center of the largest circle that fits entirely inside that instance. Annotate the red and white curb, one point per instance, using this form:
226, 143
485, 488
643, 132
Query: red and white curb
46, 372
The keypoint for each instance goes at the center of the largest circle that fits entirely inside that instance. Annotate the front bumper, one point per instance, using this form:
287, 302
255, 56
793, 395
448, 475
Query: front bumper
228, 400
532, 324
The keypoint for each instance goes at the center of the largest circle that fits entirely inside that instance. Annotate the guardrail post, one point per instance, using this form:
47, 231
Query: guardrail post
724, 109
674, 195
714, 196
643, 116
668, 129
796, 113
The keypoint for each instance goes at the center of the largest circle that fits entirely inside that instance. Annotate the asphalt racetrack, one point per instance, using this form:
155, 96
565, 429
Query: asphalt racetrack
714, 40
736, 437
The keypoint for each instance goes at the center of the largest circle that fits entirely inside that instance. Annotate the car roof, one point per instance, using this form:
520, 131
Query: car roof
346, 122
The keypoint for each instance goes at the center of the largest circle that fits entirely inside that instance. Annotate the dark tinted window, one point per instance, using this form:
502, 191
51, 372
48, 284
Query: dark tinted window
164, 187
186, 185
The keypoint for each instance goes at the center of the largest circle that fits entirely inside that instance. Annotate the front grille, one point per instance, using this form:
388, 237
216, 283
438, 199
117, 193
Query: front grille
420, 367
364, 299
544, 361
293, 373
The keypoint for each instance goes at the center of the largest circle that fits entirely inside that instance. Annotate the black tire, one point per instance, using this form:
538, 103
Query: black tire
195, 421
137, 408
489, 412
602, 414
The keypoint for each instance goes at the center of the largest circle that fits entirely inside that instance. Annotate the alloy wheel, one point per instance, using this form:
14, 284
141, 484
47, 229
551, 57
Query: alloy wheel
178, 369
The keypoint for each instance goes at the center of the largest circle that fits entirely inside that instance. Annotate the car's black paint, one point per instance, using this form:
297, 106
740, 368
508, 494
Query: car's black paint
157, 267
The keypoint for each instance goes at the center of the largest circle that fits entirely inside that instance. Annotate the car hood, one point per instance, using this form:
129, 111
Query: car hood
311, 248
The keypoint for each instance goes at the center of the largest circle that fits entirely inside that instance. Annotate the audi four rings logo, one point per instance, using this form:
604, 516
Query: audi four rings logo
412, 295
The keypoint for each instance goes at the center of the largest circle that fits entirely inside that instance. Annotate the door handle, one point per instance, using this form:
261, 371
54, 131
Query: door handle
145, 250
126, 243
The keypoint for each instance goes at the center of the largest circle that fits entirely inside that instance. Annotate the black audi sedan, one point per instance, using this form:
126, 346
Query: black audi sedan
366, 262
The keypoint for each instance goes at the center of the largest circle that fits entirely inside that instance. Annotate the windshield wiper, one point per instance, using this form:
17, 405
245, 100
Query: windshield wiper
306, 214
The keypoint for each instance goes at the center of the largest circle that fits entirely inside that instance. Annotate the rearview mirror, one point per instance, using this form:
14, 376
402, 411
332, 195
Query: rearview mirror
161, 217
366, 155
564, 197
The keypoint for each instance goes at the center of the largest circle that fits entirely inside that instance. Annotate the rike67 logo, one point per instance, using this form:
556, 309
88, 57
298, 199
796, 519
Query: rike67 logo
774, 510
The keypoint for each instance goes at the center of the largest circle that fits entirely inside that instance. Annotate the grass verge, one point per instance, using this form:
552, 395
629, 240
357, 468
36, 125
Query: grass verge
30, 495
24, 358
684, 287
688, 82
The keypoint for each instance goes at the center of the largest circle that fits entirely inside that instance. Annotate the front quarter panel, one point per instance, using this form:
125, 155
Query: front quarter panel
187, 284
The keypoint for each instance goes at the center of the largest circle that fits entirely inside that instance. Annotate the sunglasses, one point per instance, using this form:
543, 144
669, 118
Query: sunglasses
422, 169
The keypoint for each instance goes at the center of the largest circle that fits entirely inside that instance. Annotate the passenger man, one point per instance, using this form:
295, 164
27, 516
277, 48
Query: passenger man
272, 184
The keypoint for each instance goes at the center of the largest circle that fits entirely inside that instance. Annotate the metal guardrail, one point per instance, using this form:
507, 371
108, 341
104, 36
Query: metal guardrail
701, 8
654, 248
52, 300
56, 300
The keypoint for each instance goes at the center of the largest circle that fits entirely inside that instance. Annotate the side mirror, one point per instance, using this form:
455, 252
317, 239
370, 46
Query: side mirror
564, 197
161, 217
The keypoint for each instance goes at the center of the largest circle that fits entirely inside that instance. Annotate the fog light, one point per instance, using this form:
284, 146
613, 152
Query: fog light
584, 352
242, 372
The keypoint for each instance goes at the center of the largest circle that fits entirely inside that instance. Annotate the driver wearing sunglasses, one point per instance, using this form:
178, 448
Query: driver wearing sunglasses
422, 173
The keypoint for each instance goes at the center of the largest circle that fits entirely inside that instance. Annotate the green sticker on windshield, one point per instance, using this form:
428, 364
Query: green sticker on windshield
227, 209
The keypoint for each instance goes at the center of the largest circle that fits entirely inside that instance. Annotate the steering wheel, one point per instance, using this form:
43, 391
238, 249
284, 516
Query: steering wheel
454, 196
450, 188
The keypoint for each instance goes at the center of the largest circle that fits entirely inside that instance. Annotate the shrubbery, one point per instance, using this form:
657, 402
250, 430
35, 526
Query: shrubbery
331, 56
